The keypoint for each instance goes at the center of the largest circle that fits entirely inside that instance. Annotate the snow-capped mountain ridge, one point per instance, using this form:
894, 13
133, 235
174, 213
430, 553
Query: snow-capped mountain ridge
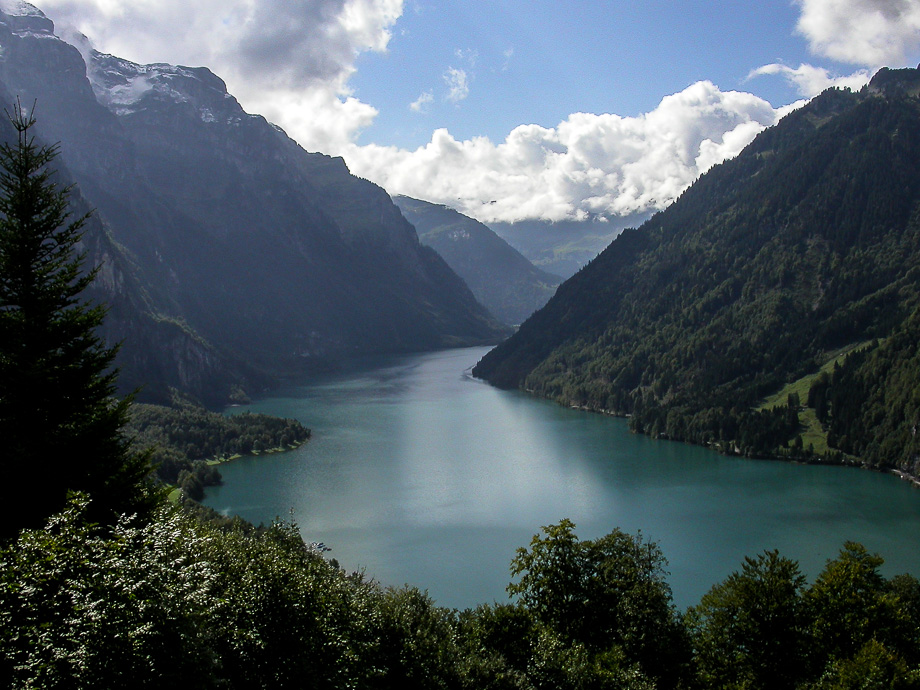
271, 255
25, 18
124, 87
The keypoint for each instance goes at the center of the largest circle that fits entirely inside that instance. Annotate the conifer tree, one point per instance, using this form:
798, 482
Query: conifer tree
60, 426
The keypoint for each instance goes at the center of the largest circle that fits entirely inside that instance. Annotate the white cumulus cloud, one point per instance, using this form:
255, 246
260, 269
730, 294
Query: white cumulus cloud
289, 60
873, 33
589, 164
810, 80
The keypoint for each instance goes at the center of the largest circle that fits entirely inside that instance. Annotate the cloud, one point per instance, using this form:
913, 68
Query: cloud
420, 104
873, 33
587, 165
318, 119
280, 58
810, 80
458, 87
468, 55
291, 60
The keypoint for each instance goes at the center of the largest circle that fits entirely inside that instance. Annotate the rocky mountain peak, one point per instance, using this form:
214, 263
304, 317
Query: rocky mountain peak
125, 87
892, 82
276, 259
23, 18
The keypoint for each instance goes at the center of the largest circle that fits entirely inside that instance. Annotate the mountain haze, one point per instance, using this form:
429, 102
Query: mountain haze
772, 264
563, 247
506, 283
260, 252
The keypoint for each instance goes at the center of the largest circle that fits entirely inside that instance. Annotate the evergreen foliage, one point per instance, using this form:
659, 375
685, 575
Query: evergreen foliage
807, 242
57, 414
184, 437
870, 405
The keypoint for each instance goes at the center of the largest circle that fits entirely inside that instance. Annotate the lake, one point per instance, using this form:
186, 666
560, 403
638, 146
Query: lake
420, 474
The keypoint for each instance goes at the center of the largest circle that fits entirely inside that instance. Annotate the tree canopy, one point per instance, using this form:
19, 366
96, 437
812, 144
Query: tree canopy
60, 424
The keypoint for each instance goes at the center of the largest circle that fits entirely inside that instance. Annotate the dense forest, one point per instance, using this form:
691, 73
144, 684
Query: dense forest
185, 440
805, 245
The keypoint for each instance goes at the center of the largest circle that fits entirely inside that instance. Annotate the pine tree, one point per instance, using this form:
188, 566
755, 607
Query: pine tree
60, 426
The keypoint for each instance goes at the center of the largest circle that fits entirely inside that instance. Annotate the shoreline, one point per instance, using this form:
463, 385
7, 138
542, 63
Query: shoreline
257, 453
914, 480
907, 477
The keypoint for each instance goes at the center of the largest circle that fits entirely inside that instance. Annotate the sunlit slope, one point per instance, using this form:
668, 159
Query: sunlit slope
807, 242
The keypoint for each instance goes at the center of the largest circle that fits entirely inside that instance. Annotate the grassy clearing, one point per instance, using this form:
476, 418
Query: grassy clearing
812, 435
802, 385
812, 432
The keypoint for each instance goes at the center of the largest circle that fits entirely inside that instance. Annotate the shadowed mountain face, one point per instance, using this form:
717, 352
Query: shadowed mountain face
807, 242
506, 283
255, 249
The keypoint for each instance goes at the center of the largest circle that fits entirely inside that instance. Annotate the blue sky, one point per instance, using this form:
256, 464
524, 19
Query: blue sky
511, 110
527, 62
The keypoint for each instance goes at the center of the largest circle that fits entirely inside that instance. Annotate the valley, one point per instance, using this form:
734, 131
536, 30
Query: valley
420, 474
688, 332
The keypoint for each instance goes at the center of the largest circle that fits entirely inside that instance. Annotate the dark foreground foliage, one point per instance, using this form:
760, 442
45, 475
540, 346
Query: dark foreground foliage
176, 602
58, 413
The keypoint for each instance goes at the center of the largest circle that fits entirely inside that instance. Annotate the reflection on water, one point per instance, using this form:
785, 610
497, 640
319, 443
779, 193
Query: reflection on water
420, 474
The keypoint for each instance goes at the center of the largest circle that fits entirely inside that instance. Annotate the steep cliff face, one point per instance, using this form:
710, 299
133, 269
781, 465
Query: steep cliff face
271, 255
163, 353
158, 352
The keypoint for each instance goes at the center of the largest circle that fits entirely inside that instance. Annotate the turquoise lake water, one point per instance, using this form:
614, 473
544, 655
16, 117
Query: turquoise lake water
420, 474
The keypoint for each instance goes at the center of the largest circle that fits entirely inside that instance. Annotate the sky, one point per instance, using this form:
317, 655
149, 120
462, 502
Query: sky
510, 110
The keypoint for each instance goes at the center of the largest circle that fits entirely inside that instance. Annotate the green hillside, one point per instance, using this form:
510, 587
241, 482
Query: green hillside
805, 244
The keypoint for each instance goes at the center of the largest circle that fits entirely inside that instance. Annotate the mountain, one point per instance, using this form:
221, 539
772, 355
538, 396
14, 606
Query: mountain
267, 257
563, 247
771, 266
506, 283
164, 352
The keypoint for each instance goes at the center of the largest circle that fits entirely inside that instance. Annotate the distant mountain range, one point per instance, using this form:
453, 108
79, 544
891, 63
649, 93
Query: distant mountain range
231, 254
760, 277
505, 282
563, 247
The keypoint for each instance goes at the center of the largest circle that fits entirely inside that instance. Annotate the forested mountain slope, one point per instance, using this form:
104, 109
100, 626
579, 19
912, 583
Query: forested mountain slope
807, 242
270, 255
164, 352
505, 282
